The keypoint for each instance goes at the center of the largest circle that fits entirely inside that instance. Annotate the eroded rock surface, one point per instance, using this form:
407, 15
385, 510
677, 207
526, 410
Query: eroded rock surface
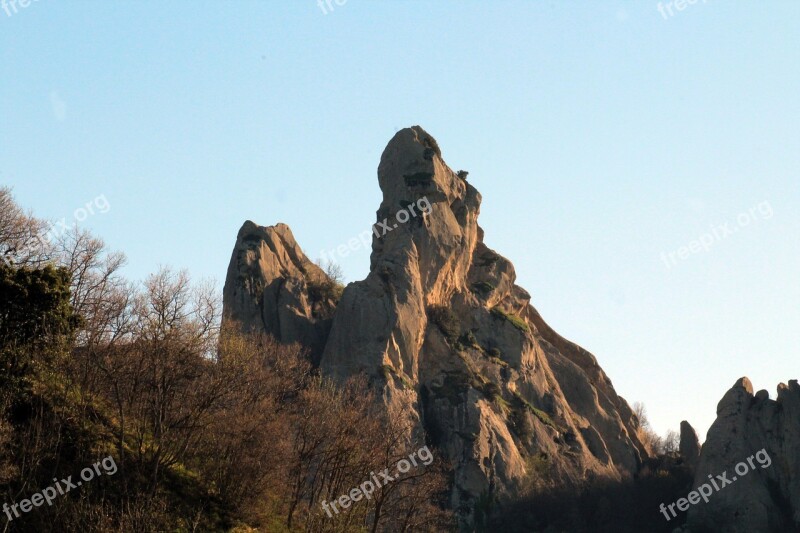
752, 429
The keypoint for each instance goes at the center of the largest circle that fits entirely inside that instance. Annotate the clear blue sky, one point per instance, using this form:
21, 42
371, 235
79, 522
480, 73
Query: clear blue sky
600, 134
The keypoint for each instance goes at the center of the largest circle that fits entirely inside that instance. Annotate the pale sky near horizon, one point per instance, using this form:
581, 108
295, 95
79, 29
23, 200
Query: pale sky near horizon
600, 134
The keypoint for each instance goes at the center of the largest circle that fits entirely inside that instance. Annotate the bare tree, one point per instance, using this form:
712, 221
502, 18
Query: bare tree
23, 239
333, 271
150, 368
651, 438
671, 442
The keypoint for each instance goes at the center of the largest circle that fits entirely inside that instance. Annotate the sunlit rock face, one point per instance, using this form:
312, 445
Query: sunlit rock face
441, 328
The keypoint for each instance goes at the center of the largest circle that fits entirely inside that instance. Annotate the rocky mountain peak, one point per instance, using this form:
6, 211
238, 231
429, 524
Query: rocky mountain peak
444, 333
432, 213
271, 286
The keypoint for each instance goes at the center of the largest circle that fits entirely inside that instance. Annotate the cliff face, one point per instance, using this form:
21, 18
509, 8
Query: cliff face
271, 286
448, 337
762, 496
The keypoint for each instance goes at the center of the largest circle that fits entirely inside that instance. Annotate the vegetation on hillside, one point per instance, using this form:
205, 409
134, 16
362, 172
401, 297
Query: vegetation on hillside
211, 430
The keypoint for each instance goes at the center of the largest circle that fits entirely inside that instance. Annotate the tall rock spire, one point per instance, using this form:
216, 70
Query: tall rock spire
443, 331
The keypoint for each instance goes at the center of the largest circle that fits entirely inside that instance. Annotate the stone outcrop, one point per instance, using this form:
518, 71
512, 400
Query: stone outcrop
272, 287
689, 447
444, 332
755, 429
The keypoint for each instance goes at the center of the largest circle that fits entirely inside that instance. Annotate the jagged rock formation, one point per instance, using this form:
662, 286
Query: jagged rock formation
440, 326
271, 286
766, 498
689, 447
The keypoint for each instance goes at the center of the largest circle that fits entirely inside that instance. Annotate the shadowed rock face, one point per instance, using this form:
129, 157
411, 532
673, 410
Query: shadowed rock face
689, 446
766, 498
444, 332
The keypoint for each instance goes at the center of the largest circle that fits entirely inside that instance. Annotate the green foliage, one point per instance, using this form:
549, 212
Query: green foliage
34, 305
522, 403
538, 464
498, 361
447, 322
494, 355
494, 394
468, 340
516, 321
37, 321
543, 417
491, 390
504, 406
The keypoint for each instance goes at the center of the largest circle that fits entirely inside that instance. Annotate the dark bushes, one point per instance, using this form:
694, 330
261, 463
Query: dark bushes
447, 322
